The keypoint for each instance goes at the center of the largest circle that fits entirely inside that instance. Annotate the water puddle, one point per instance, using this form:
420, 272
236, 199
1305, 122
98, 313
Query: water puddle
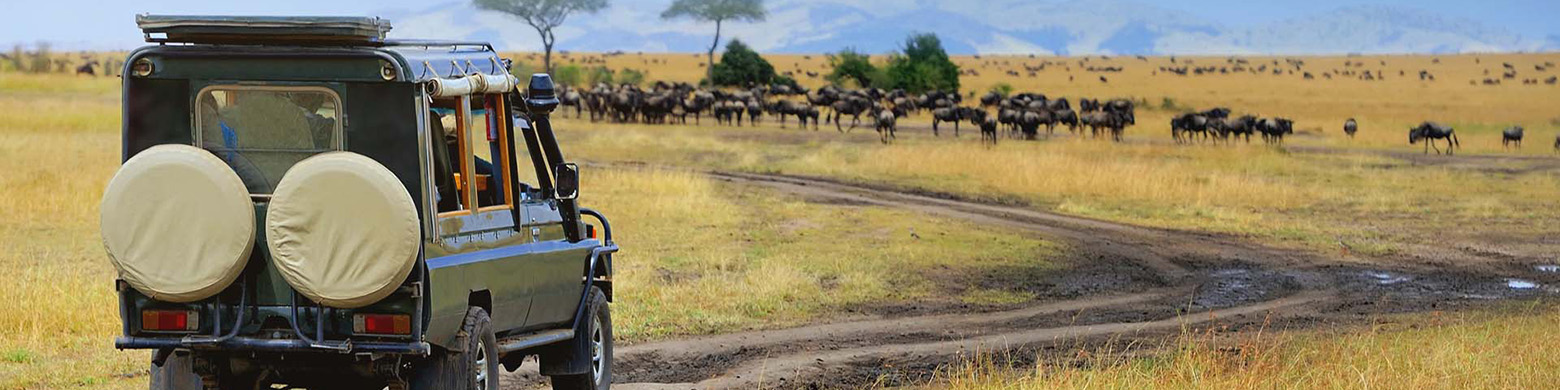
1551, 268
1386, 278
1519, 284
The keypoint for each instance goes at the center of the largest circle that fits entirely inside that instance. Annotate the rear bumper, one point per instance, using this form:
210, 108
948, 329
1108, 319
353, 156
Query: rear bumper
273, 345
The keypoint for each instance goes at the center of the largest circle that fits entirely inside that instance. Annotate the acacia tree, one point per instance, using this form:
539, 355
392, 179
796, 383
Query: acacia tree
542, 15
717, 11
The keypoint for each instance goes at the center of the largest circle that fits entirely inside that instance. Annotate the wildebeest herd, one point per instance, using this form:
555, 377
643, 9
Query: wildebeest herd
1217, 125
1018, 116
1021, 115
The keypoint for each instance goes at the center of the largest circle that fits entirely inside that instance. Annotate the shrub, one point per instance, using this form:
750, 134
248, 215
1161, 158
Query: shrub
743, 67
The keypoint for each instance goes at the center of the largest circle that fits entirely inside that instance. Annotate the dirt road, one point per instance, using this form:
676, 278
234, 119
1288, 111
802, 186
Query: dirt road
1126, 282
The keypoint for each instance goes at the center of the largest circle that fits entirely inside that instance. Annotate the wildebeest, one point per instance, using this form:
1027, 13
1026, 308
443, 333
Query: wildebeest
886, 125
1511, 135
1185, 127
1350, 127
946, 114
1274, 129
1225, 127
90, 68
988, 131
1101, 120
571, 98
1431, 131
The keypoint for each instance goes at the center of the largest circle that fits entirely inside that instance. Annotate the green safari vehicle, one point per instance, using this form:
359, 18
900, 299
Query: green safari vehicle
304, 203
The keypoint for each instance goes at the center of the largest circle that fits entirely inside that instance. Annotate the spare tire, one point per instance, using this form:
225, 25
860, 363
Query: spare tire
342, 230
177, 223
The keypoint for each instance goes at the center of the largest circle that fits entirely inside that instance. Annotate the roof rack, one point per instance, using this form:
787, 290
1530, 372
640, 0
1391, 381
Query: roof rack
429, 43
298, 30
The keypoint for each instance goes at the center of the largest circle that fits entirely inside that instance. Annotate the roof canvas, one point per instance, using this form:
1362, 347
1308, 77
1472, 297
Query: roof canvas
263, 29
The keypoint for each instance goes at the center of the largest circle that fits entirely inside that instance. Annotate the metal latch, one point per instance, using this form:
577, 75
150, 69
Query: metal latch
536, 234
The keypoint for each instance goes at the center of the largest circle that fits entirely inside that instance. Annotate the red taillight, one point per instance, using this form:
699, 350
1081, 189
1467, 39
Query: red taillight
170, 320
382, 324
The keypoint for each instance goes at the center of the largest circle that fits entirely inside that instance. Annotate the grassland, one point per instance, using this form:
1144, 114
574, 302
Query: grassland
1373, 204
702, 256
1497, 349
709, 257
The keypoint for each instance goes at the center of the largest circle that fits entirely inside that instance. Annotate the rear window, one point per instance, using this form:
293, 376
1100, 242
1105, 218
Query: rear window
263, 131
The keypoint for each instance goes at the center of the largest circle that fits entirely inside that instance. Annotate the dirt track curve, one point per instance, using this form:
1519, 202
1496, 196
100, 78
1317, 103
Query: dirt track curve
1125, 281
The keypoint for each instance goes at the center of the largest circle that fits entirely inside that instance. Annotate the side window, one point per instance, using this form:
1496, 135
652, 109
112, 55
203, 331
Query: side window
471, 164
263, 131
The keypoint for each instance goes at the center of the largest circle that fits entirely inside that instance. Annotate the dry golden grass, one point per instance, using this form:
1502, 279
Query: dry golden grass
689, 239
1500, 349
1373, 203
700, 257
703, 257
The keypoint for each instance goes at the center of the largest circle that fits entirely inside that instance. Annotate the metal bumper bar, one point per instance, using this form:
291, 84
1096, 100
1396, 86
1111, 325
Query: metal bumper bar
271, 345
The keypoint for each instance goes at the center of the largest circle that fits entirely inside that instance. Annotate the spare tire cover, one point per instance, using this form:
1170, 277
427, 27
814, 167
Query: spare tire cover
342, 230
177, 223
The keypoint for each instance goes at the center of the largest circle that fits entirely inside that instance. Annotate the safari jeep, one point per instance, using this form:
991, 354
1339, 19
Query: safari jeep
306, 204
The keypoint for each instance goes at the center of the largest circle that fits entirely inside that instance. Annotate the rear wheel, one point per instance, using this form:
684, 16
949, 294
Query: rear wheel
475, 368
593, 342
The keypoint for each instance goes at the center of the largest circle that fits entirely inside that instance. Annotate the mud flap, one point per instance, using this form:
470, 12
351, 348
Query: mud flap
177, 372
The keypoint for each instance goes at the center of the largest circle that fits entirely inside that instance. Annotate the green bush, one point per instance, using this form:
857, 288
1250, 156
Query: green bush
630, 76
521, 71
598, 75
851, 66
1003, 89
922, 66
569, 75
741, 66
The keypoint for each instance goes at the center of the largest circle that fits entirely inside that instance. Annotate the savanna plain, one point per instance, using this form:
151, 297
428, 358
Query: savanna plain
1065, 262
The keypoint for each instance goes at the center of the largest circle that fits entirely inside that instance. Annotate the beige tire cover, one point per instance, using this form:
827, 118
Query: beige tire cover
177, 223
342, 230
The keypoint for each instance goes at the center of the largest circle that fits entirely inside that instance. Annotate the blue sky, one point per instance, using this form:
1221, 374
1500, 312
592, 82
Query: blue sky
110, 25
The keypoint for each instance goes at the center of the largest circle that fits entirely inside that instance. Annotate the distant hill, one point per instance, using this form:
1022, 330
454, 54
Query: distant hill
992, 27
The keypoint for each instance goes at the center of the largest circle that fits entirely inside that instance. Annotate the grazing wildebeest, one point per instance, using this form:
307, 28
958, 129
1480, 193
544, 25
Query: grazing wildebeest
1431, 131
990, 99
1185, 127
1216, 113
1274, 129
988, 131
571, 98
90, 68
1029, 124
1066, 117
1557, 143
1350, 127
784, 108
754, 110
1225, 127
885, 125
849, 105
1511, 135
946, 114
1010, 118
1115, 122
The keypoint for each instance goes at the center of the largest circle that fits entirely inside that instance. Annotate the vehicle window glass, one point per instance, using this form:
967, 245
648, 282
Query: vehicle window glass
261, 132
488, 144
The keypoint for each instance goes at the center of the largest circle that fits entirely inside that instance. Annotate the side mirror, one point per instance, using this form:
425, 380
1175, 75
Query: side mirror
567, 181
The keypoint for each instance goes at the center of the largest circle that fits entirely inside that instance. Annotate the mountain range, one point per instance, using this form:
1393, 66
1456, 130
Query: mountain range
1113, 27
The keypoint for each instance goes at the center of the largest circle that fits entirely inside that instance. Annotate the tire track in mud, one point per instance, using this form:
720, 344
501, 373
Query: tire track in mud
745, 359
776, 369
1201, 277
